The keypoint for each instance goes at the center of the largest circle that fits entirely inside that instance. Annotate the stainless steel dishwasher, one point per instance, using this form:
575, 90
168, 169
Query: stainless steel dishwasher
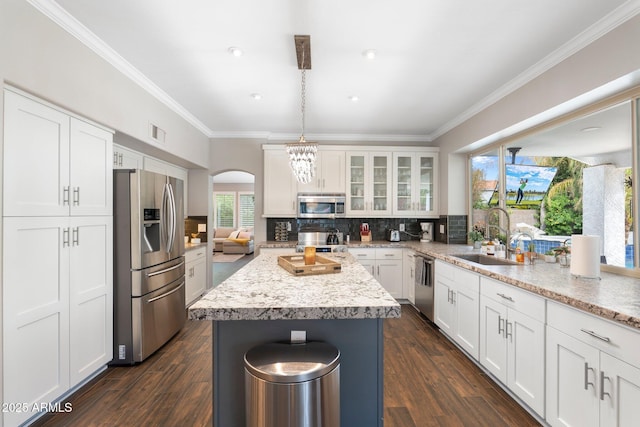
424, 285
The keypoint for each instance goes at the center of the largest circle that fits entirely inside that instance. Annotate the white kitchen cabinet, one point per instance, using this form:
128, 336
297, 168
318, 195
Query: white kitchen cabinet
55, 164
593, 372
368, 183
385, 264
57, 306
123, 158
195, 274
457, 305
280, 186
512, 340
90, 295
329, 175
415, 184
408, 275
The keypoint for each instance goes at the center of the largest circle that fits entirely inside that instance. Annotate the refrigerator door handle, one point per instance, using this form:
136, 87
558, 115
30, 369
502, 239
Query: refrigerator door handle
166, 294
172, 218
164, 220
166, 270
169, 217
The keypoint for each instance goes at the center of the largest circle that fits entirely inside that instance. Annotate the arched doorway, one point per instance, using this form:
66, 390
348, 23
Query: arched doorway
233, 202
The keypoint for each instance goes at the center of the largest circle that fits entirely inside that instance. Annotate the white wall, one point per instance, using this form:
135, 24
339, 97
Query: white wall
242, 155
611, 57
40, 57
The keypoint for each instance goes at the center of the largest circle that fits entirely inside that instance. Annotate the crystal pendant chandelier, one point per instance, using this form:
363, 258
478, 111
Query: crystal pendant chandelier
302, 154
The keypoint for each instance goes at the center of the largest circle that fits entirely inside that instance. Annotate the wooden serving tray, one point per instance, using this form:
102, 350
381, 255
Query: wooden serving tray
294, 264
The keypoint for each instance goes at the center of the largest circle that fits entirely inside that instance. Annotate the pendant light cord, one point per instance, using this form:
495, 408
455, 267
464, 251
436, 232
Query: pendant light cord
303, 94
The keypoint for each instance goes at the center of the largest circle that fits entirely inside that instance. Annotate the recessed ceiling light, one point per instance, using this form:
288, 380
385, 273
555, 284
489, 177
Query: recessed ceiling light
590, 129
235, 51
256, 96
369, 53
354, 98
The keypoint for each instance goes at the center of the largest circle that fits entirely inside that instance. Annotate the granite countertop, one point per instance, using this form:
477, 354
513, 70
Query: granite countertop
194, 246
262, 290
612, 297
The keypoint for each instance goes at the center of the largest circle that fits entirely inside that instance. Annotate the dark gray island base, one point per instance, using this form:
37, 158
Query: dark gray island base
263, 303
361, 364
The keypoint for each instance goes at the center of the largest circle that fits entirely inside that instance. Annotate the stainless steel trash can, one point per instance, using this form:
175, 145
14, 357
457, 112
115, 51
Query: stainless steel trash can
292, 385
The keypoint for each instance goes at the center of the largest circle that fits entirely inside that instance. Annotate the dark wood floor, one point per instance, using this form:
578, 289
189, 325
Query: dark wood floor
428, 382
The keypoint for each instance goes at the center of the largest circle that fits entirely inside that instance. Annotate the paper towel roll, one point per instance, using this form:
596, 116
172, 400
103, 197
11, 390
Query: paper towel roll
585, 255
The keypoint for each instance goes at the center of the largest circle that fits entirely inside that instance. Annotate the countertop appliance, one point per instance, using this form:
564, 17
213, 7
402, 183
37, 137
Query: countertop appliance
393, 235
427, 232
424, 285
321, 205
149, 294
320, 239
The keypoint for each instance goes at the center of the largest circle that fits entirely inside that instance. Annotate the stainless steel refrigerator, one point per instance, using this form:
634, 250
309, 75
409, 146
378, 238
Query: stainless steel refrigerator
149, 294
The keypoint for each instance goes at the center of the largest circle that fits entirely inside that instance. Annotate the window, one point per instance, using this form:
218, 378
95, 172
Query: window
246, 203
224, 208
233, 209
575, 177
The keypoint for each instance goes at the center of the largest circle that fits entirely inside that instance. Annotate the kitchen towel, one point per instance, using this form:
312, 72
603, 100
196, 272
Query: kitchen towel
585, 256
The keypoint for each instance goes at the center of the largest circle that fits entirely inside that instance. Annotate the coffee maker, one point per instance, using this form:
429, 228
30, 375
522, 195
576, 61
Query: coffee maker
427, 232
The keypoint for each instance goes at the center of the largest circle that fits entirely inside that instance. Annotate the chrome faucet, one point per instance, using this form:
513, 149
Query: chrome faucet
518, 237
507, 231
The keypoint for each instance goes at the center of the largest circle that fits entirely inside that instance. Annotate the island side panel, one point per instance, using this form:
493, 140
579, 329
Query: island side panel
360, 342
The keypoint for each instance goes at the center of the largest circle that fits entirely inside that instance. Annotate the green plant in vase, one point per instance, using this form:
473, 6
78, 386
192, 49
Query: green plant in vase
476, 236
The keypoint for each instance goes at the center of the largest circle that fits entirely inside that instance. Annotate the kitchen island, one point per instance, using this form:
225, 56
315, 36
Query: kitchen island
262, 302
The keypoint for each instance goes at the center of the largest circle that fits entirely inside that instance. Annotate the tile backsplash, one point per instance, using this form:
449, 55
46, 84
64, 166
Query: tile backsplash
351, 227
191, 226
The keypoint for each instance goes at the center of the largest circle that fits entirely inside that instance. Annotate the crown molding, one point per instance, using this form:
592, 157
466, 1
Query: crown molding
57, 14
320, 137
614, 19
61, 17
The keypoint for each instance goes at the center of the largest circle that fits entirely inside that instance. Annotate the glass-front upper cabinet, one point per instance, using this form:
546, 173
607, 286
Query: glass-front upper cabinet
369, 183
414, 190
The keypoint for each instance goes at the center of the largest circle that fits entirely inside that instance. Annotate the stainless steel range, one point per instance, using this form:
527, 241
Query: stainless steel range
319, 240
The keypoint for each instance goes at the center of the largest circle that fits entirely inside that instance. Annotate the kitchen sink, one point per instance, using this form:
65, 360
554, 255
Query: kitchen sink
485, 259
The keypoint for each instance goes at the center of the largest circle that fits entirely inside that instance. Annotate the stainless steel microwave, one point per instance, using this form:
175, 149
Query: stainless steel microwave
321, 205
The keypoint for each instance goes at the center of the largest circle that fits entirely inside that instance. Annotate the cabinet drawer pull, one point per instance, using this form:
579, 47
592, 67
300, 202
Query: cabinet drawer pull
75, 240
506, 297
76, 196
508, 330
65, 195
593, 334
587, 383
602, 392
500, 325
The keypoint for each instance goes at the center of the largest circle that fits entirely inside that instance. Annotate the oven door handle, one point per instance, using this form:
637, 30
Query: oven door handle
166, 294
166, 270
